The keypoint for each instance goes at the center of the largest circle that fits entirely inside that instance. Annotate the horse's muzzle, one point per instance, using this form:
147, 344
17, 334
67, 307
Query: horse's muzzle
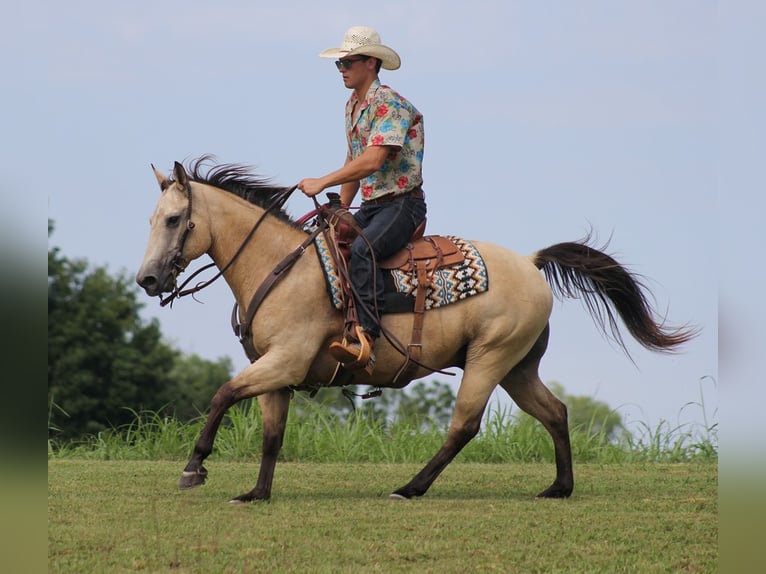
149, 284
154, 284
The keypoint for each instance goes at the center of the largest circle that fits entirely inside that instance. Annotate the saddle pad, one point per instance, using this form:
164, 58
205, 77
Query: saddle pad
448, 284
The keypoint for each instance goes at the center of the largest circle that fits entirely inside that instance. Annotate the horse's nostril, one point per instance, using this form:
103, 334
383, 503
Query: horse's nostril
146, 281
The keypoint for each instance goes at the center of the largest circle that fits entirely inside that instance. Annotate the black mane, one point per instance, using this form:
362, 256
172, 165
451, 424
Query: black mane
239, 180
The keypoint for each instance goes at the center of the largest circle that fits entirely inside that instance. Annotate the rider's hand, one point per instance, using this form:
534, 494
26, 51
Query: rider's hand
311, 186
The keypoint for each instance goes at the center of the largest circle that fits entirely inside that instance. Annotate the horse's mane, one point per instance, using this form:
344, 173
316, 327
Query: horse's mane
239, 180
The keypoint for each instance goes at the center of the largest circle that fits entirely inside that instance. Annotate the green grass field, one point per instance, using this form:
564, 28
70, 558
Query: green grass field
128, 516
642, 504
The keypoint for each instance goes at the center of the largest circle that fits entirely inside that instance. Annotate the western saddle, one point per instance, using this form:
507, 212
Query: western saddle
420, 258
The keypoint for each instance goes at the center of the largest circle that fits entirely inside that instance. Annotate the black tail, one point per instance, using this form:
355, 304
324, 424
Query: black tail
580, 271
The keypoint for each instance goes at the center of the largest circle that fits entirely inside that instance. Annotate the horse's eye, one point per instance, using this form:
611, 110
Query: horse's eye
173, 221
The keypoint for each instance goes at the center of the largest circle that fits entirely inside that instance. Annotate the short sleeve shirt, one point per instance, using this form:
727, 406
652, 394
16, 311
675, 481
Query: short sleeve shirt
386, 118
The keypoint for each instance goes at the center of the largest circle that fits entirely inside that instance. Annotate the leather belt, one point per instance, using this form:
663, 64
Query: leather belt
416, 193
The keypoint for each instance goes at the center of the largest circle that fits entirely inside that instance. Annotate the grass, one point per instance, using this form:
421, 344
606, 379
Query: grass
318, 436
128, 516
644, 503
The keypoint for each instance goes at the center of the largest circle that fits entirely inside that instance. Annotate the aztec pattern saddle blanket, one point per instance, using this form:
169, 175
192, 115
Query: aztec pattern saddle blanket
448, 284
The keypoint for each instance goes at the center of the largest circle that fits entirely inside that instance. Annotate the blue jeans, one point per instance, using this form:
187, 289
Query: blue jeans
387, 228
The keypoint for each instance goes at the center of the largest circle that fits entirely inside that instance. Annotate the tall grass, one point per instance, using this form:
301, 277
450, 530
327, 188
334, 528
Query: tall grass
681, 441
320, 436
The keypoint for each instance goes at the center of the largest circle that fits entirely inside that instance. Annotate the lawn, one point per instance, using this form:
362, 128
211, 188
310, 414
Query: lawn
128, 516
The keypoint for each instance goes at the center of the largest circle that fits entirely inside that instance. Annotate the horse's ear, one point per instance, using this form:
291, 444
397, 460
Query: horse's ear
161, 178
179, 174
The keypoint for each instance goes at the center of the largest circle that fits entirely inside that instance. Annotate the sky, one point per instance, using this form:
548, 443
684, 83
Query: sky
543, 120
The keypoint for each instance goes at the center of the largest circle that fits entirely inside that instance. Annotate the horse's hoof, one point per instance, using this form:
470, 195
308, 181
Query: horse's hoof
555, 491
249, 498
192, 478
397, 496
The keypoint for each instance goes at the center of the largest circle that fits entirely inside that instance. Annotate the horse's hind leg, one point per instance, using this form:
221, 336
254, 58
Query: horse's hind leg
464, 426
479, 380
274, 409
526, 389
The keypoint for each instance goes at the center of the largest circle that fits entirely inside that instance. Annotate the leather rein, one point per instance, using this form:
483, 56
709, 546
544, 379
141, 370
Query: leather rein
179, 291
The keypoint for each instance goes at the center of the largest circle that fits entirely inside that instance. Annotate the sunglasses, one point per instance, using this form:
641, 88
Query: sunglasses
348, 62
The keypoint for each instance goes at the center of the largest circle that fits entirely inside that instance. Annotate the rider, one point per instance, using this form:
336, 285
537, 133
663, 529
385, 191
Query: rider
384, 158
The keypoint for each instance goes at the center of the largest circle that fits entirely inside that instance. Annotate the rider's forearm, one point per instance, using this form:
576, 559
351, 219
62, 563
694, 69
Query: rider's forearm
369, 162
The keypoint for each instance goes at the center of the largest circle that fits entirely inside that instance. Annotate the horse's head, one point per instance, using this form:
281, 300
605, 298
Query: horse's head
175, 238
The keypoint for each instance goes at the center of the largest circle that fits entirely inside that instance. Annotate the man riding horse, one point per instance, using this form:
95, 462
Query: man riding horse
384, 158
497, 339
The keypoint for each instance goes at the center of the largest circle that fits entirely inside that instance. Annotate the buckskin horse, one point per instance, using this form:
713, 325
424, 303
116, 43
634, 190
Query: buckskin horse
497, 337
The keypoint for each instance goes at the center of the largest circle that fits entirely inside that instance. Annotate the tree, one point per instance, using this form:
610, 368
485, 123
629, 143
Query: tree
423, 403
194, 382
589, 415
432, 403
426, 403
104, 361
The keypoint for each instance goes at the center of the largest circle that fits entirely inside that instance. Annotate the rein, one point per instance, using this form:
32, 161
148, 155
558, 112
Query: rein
243, 330
179, 291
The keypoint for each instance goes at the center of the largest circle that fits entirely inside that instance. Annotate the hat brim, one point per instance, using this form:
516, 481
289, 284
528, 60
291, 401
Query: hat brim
390, 59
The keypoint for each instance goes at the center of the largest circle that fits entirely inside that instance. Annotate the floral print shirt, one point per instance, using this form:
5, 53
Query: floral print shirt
386, 118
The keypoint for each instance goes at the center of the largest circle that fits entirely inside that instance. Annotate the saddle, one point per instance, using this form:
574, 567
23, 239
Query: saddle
422, 255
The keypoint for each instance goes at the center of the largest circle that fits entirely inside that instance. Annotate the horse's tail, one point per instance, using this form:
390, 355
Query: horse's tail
578, 270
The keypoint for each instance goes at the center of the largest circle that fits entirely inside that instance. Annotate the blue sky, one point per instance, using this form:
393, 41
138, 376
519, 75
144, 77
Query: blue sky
543, 119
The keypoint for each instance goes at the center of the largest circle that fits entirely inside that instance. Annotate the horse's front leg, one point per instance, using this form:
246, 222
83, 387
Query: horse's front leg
272, 372
274, 409
194, 474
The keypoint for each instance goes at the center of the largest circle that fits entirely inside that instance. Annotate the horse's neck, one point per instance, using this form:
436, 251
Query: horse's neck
270, 243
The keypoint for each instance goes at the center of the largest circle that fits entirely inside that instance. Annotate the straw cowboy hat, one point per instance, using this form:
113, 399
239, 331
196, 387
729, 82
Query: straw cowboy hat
364, 41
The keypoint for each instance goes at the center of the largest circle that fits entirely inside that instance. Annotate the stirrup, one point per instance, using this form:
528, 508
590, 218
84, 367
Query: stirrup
355, 354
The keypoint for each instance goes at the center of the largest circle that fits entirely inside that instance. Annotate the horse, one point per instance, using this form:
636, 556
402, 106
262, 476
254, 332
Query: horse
497, 337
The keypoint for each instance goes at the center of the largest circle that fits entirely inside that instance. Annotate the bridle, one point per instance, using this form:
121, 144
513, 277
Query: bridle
179, 263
